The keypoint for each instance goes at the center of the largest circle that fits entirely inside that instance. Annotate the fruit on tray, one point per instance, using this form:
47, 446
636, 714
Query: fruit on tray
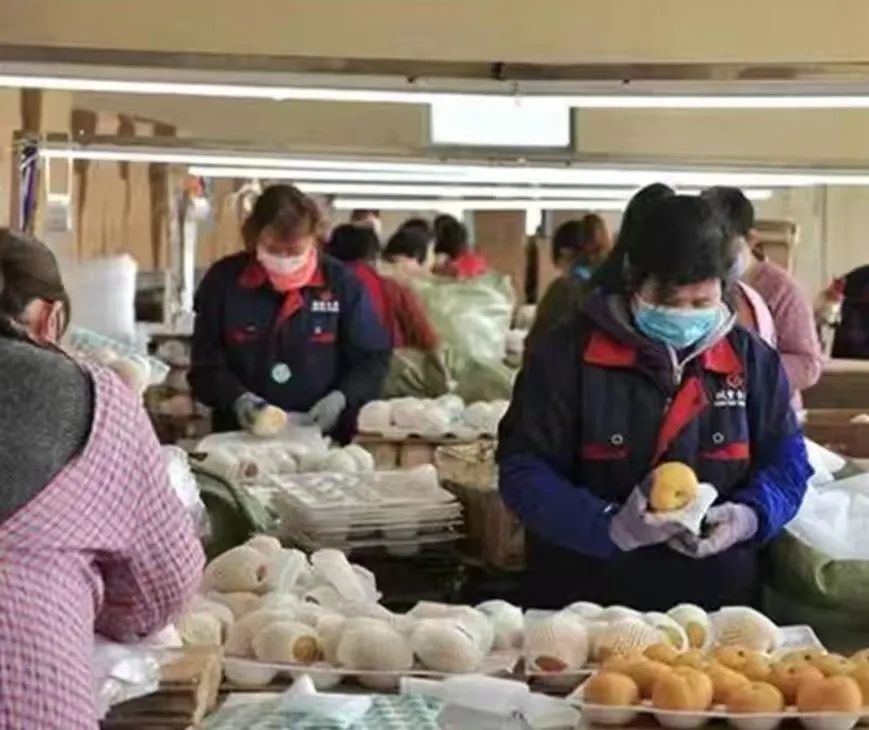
662, 652
693, 658
736, 657
682, 689
756, 697
674, 486
620, 662
611, 688
833, 665
757, 668
830, 694
695, 621
725, 681
861, 676
645, 673
788, 676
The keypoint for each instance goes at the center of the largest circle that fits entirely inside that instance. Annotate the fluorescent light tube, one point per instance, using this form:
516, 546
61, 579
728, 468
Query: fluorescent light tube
468, 204
631, 100
469, 173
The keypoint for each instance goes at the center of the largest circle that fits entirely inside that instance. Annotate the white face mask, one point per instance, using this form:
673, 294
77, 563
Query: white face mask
281, 265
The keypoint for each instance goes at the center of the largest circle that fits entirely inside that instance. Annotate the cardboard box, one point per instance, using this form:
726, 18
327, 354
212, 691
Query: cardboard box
833, 429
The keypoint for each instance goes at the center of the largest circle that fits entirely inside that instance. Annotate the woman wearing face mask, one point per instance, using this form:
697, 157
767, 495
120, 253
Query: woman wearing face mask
92, 537
281, 324
652, 370
578, 248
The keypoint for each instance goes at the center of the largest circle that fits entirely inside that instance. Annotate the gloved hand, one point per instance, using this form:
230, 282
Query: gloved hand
246, 409
729, 523
630, 528
328, 410
258, 417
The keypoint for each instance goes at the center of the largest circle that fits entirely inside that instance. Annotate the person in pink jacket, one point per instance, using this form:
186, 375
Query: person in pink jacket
92, 537
796, 337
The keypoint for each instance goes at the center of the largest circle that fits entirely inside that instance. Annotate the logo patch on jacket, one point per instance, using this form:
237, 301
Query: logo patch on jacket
729, 398
330, 306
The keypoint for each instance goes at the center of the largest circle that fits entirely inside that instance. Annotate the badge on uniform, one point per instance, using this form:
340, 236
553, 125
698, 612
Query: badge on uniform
332, 306
281, 373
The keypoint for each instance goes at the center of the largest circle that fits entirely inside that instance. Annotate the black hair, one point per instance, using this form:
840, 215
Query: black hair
351, 243
28, 271
408, 243
683, 240
451, 238
419, 226
441, 220
610, 274
734, 206
287, 210
578, 237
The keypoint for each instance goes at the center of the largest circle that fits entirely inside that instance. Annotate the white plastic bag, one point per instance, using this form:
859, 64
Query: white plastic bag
102, 295
834, 520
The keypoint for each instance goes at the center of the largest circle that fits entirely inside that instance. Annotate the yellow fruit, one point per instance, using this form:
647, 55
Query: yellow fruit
696, 634
757, 668
833, 665
611, 688
802, 656
861, 676
681, 691
664, 653
830, 694
736, 657
861, 657
619, 663
789, 676
724, 681
645, 673
693, 658
674, 485
700, 683
756, 697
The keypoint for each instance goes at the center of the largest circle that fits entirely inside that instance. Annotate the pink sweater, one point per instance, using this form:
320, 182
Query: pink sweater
791, 311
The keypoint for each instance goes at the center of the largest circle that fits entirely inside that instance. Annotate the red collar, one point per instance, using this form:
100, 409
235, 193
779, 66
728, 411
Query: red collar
254, 276
606, 351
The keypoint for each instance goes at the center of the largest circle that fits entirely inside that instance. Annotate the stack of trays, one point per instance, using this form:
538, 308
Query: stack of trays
396, 510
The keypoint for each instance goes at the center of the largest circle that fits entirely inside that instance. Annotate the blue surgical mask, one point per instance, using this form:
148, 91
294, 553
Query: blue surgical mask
583, 273
673, 326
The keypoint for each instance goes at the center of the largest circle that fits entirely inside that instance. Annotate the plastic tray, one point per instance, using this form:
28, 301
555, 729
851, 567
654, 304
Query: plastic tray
795, 637
323, 674
622, 715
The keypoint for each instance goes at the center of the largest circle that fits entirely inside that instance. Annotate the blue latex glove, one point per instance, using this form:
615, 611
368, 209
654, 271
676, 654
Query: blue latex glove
247, 407
630, 527
729, 523
328, 410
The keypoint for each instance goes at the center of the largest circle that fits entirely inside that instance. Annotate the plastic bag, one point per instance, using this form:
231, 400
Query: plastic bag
102, 295
823, 556
471, 317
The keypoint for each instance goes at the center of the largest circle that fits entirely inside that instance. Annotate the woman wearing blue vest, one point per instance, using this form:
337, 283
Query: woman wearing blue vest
653, 369
282, 324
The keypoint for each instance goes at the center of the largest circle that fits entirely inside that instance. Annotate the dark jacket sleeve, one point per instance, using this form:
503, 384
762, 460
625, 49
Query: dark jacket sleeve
537, 440
210, 378
364, 343
780, 467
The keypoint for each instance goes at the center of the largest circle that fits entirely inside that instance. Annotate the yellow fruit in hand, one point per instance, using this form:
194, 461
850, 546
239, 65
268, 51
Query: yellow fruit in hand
674, 486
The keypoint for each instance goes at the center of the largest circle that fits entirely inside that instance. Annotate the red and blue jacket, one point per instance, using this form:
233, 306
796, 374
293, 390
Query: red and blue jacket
290, 349
596, 408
